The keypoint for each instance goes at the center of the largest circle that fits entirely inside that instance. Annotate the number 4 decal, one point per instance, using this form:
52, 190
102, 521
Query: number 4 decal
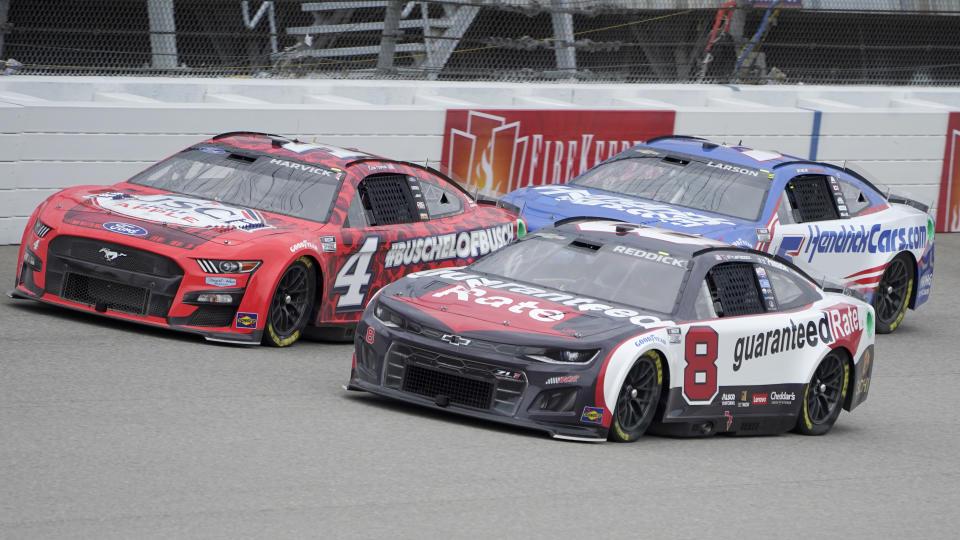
700, 375
353, 279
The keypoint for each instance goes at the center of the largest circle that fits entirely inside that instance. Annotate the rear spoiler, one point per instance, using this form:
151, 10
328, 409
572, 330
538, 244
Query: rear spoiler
900, 199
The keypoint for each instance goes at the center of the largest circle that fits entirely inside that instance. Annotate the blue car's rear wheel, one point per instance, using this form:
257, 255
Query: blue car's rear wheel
893, 294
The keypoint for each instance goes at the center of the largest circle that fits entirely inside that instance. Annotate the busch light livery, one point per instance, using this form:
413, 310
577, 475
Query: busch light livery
576, 330
828, 220
249, 237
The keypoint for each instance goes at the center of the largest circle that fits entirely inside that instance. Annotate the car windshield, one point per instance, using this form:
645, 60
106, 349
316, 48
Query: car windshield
612, 271
722, 188
252, 181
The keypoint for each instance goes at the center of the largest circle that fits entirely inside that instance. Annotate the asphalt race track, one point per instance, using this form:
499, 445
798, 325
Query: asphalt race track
113, 430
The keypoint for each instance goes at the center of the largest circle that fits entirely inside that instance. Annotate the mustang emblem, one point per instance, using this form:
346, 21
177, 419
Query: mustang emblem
111, 255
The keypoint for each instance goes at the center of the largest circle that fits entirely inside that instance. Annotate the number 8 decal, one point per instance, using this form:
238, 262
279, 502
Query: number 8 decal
700, 374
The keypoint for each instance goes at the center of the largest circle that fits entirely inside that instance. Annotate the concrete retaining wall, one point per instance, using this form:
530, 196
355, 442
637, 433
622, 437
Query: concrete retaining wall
57, 132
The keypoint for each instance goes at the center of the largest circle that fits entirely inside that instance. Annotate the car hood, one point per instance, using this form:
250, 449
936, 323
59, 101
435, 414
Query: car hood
543, 205
170, 218
466, 303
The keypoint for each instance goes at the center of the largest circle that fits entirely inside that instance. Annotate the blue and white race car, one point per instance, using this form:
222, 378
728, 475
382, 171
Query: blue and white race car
828, 220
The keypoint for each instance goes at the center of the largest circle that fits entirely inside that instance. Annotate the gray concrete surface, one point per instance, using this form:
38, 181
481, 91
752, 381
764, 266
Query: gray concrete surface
112, 430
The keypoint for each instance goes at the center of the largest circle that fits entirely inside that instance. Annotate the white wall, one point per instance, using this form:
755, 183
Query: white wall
57, 132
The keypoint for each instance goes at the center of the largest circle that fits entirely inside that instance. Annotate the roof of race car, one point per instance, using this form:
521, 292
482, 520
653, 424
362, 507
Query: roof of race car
634, 235
678, 244
738, 155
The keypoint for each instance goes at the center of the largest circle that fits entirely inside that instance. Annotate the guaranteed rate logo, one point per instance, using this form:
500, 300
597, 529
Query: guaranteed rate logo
794, 336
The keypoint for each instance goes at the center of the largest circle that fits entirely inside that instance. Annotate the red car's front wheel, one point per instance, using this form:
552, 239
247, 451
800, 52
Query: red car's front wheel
291, 303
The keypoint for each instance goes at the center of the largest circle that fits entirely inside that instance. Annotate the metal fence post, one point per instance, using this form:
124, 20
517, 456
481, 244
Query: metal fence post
163, 33
388, 43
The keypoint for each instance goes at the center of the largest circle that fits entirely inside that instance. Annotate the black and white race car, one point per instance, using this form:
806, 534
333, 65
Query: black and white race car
597, 329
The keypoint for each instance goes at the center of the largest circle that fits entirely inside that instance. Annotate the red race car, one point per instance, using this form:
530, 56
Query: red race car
249, 236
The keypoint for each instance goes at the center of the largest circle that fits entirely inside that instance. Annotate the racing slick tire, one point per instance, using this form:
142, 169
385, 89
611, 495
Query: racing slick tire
291, 303
893, 293
823, 396
638, 399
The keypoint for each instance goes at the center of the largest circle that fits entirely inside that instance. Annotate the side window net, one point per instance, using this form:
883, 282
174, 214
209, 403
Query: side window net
387, 199
733, 287
811, 199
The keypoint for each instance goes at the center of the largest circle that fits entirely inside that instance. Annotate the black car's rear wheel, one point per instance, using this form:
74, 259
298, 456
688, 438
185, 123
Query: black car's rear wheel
823, 395
893, 293
638, 398
291, 303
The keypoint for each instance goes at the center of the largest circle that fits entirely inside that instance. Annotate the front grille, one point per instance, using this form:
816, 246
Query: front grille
460, 390
113, 255
463, 381
112, 276
104, 294
212, 316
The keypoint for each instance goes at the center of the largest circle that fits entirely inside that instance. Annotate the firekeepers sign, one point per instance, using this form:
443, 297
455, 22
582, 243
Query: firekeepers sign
948, 207
497, 151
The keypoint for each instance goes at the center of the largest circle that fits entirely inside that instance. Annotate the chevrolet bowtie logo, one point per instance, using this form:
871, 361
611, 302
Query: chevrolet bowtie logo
455, 340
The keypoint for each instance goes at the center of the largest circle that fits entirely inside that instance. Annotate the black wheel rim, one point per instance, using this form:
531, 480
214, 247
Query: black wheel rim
892, 291
826, 387
289, 304
637, 395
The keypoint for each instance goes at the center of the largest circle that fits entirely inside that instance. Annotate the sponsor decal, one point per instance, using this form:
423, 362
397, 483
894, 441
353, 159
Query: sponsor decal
504, 374
660, 256
845, 322
640, 342
111, 255
740, 242
328, 244
36, 244
370, 335
128, 229
304, 245
733, 168
729, 416
444, 247
384, 167
743, 400
212, 150
782, 398
791, 337
759, 399
220, 281
485, 291
923, 286
497, 151
635, 207
179, 210
728, 400
564, 379
336, 151
592, 415
247, 320
853, 239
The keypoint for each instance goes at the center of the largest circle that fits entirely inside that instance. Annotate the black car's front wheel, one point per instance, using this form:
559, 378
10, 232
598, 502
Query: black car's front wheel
291, 302
638, 398
893, 293
823, 395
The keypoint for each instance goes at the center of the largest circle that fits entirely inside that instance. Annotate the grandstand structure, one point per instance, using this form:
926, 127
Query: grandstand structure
631, 41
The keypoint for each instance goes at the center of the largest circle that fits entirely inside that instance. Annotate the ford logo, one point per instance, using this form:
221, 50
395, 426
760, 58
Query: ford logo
125, 228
